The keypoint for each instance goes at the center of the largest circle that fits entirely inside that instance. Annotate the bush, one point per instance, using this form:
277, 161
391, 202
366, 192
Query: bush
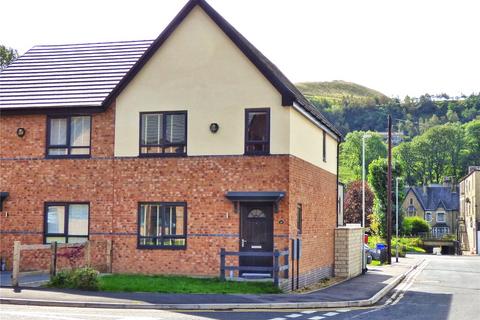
81, 278
415, 225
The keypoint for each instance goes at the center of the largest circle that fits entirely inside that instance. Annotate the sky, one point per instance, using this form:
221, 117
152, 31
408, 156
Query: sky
398, 47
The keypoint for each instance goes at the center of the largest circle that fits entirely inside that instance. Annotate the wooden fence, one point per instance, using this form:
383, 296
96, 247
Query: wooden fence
275, 269
53, 247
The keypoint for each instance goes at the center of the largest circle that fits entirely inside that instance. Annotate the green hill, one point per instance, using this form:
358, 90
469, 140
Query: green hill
337, 92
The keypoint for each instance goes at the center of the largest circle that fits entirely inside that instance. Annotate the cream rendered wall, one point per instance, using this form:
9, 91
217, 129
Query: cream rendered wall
471, 213
306, 142
200, 70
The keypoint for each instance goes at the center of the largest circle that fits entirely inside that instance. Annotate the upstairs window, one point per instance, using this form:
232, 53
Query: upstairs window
440, 216
257, 131
163, 133
68, 136
428, 216
324, 145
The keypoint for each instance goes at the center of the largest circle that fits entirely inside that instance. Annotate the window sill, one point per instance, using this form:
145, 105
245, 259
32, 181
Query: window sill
257, 154
162, 155
80, 156
140, 247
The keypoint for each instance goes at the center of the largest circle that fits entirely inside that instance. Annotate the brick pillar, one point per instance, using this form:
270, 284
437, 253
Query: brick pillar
348, 254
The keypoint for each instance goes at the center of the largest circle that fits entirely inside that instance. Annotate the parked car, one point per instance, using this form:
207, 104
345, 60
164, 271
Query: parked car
368, 253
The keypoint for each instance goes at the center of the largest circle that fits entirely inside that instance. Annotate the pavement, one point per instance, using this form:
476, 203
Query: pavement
28, 280
363, 290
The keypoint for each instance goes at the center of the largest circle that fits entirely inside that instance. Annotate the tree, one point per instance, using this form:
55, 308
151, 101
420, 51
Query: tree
7, 56
472, 142
353, 203
377, 179
434, 155
412, 226
452, 116
351, 154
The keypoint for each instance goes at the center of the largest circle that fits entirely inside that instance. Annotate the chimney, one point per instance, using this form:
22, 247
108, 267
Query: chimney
447, 181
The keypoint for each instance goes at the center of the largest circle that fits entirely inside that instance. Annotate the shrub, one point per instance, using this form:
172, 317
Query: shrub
415, 225
60, 280
81, 278
85, 279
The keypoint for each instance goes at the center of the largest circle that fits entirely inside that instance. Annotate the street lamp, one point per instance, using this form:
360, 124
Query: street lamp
396, 216
364, 137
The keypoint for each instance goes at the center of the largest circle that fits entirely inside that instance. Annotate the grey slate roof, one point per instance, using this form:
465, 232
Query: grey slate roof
50, 76
118, 63
438, 196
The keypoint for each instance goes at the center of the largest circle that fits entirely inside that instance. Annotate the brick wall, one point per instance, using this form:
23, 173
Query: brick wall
114, 186
315, 189
348, 251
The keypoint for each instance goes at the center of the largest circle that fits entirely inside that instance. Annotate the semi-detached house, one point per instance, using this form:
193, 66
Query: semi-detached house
173, 148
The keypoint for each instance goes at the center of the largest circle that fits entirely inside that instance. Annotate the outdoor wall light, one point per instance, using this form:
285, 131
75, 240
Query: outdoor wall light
214, 127
21, 132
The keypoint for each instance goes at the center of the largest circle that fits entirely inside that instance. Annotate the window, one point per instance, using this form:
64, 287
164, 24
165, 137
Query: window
257, 131
411, 201
68, 136
299, 218
428, 216
324, 145
66, 222
163, 133
440, 216
256, 214
440, 231
411, 210
162, 225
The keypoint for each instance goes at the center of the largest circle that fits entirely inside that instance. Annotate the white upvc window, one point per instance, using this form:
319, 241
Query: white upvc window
440, 216
428, 216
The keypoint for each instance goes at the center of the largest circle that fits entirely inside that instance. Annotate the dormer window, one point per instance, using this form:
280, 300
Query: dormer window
440, 216
68, 136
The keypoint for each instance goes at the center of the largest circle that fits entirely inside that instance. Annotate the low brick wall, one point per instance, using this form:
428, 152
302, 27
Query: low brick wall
348, 254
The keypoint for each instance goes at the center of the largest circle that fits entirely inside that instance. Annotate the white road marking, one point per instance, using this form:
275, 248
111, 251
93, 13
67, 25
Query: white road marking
405, 285
293, 315
316, 318
330, 314
279, 319
309, 311
137, 318
343, 310
36, 315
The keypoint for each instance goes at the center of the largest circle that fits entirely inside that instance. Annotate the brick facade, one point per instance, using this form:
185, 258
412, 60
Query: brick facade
114, 186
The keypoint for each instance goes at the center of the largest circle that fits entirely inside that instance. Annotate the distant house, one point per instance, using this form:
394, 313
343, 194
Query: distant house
469, 219
397, 137
437, 204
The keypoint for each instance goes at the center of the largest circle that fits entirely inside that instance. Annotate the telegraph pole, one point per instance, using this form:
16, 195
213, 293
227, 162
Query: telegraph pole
389, 193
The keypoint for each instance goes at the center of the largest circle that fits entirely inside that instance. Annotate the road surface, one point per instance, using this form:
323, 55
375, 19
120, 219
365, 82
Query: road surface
443, 288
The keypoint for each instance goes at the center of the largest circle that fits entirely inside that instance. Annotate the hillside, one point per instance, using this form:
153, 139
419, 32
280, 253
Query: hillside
351, 107
337, 92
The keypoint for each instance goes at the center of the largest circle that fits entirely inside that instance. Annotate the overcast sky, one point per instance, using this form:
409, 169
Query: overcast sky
398, 47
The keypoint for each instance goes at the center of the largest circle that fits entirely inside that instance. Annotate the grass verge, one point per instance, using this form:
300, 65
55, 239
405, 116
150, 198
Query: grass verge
179, 284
